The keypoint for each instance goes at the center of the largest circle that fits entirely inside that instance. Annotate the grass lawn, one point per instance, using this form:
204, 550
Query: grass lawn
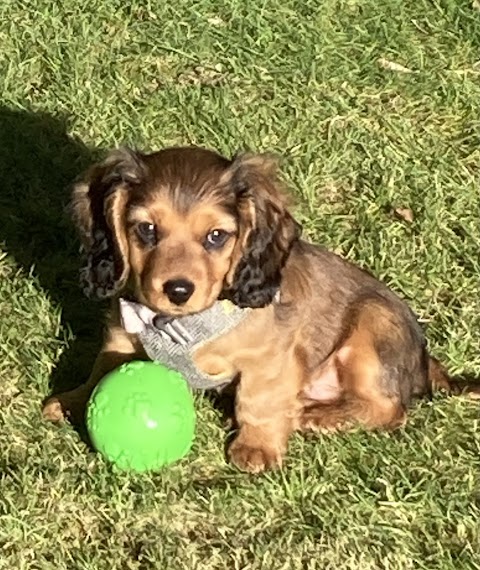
375, 106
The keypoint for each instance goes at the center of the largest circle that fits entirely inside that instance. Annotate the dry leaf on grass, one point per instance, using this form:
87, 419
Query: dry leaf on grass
393, 66
405, 214
216, 21
201, 75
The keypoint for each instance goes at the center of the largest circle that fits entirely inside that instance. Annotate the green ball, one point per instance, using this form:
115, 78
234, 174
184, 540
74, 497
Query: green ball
141, 416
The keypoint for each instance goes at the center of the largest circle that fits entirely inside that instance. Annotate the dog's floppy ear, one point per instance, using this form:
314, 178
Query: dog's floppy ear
98, 209
267, 232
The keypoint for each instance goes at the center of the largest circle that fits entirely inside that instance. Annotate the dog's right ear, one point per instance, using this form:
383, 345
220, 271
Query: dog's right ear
98, 208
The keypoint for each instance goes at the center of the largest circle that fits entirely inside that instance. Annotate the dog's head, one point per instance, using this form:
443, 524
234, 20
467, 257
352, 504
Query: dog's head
182, 227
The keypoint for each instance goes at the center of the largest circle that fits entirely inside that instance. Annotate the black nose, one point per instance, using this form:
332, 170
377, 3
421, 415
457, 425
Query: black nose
178, 291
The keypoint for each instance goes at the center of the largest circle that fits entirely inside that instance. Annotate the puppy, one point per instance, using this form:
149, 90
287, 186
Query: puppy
322, 345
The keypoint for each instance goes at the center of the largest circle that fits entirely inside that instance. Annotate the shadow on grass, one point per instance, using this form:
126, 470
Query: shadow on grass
38, 162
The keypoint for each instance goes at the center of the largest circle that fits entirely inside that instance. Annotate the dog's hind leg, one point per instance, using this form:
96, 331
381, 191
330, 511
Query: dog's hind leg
371, 376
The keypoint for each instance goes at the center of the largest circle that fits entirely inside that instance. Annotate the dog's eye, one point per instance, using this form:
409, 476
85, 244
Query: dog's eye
147, 233
216, 239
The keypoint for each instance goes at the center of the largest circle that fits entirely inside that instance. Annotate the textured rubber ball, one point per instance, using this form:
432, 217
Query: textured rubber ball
141, 416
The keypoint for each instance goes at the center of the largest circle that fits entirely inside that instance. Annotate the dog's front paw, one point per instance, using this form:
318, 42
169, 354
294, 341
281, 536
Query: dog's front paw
254, 459
53, 410
68, 405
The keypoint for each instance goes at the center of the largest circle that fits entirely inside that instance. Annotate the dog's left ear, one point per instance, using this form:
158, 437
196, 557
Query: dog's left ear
267, 231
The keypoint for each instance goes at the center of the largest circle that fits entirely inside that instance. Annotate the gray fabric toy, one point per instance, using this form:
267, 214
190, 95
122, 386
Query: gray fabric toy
173, 341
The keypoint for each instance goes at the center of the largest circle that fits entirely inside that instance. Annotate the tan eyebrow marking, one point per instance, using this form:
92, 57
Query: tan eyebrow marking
138, 214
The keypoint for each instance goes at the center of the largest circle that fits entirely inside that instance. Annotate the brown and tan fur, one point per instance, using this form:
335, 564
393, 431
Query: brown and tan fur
337, 349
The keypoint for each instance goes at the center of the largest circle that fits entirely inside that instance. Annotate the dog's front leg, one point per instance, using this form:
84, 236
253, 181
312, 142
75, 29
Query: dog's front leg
266, 411
119, 347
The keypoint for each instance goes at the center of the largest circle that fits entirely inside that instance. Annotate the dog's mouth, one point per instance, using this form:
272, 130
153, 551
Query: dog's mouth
174, 313
162, 315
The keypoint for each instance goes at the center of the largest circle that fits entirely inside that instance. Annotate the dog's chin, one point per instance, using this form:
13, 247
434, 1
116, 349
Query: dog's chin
169, 311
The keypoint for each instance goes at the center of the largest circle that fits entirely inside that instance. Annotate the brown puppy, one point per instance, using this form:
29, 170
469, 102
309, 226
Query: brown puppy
325, 346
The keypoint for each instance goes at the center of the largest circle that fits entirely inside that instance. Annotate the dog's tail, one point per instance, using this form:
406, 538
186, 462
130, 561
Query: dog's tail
439, 380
